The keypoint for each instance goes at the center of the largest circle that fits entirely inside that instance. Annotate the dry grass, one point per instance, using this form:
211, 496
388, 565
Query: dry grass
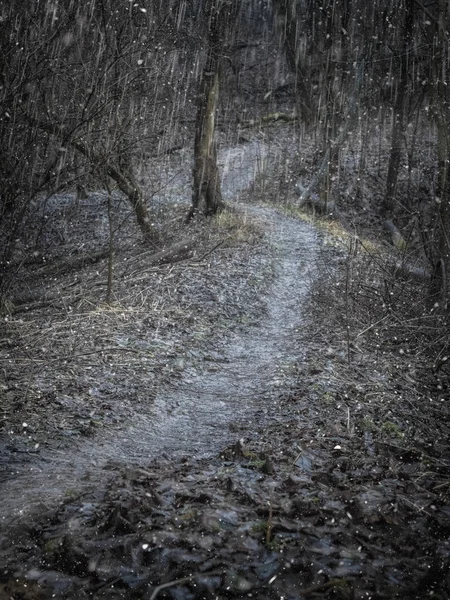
239, 227
71, 345
386, 344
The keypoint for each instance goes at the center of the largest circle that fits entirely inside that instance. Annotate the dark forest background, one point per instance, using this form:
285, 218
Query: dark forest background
91, 92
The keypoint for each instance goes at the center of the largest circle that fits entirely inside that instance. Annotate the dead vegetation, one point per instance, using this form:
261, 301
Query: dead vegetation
326, 501
343, 493
76, 364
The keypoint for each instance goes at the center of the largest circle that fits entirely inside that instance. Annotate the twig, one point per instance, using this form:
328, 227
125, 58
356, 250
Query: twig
212, 250
170, 584
269, 525
418, 508
426, 11
371, 326
105, 584
347, 294
68, 357
109, 283
321, 587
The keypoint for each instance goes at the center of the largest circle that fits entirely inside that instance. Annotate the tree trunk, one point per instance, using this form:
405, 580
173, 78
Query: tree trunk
440, 289
206, 177
399, 114
331, 113
133, 192
125, 182
288, 25
206, 172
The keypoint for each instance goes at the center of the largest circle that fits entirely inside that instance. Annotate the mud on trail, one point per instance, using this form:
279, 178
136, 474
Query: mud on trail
228, 427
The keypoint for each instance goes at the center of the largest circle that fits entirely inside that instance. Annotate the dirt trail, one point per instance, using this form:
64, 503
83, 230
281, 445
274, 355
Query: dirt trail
197, 415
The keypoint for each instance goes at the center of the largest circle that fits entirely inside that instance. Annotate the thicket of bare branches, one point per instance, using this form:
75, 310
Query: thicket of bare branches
357, 63
90, 91
85, 90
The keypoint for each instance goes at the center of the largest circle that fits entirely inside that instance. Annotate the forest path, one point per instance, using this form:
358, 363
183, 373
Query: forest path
199, 413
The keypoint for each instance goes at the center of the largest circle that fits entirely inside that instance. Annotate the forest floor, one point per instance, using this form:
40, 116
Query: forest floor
252, 415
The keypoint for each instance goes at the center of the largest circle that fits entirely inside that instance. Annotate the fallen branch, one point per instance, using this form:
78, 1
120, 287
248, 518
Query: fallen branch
53, 301
268, 119
179, 251
73, 263
407, 271
212, 249
321, 587
401, 268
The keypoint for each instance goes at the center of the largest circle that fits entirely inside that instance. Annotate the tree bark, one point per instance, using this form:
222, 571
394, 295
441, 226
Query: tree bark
206, 177
206, 172
440, 288
288, 25
399, 114
125, 182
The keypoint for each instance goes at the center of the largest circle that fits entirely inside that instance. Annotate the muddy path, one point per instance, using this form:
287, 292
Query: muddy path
216, 401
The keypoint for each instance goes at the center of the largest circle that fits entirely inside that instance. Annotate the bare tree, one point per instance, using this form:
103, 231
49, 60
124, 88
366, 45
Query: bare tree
206, 177
290, 26
30, 162
81, 83
440, 288
403, 60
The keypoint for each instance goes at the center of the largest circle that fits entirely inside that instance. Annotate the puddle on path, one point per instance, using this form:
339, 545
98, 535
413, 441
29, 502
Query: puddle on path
196, 415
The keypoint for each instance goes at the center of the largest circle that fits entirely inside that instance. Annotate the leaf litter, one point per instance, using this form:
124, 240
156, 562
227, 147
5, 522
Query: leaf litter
341, 491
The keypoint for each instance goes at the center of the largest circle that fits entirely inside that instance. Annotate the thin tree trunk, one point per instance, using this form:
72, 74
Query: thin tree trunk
206, 177
335, 145
124, 181
206, 172
440, 289
399, 114
288, 25
133, 192
331, 114
109, 283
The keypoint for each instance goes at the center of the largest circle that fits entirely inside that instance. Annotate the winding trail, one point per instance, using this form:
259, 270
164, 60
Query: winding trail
195, 416
253, 368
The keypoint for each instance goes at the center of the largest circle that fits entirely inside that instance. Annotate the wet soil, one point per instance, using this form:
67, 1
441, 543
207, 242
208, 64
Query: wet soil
247, 422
